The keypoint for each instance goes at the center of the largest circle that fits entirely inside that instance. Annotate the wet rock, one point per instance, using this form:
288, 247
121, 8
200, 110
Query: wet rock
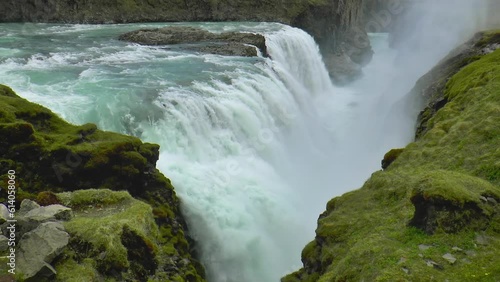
227, 43
227, 49
450, 258
342, 69
39, 247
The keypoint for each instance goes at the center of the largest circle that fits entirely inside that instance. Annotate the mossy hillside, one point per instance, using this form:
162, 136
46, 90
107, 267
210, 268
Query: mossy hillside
51, 155
442, 192
430, 88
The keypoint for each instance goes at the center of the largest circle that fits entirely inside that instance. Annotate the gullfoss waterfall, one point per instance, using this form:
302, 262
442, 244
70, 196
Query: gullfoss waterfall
254, 146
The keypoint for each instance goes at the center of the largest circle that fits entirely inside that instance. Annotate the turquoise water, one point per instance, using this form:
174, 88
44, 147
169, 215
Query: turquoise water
254, 146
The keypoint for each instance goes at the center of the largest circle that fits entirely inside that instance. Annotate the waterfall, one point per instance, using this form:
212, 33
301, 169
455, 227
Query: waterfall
254, 146
228, 137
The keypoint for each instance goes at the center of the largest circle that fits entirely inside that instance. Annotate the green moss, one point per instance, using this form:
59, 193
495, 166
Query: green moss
92, 197
102, 217
47, 198
455, 187
72, 271
366, 235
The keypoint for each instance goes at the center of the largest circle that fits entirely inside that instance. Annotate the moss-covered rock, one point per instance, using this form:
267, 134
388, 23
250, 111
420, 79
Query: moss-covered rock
390, 157
114, 236
51, 156
438, 197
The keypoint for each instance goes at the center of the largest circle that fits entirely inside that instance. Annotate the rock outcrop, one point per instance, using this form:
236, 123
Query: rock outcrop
40, 238
433, 213
226, 43
53, 156
335, 24
38, 248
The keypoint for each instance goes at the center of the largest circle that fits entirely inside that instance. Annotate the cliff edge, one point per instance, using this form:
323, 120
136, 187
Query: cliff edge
50, 157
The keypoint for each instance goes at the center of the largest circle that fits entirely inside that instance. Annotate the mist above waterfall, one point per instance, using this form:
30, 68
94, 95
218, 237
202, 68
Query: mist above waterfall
427, 30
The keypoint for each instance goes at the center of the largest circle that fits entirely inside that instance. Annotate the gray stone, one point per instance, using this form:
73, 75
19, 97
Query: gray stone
482, 198
26, 206
434, 264
470, 253
3, 243
52, 212
406, 270
457, 249
482, 240
39, 247
4, 213
423, 247
450, 258
492, 200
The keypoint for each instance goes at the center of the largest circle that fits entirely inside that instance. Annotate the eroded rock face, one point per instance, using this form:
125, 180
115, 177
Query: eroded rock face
227, 43
433, 214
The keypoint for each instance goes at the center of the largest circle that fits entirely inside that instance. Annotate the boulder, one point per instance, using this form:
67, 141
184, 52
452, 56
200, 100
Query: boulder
3, 243
52, 212
26, 206
39, 247
227, 43
4, 213
342, 68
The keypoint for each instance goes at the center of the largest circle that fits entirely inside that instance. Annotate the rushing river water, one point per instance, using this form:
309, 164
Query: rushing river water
254, 146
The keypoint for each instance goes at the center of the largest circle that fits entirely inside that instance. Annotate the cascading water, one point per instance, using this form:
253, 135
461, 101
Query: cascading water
254, 146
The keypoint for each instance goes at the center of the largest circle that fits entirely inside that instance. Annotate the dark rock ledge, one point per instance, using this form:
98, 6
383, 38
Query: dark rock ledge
226, 43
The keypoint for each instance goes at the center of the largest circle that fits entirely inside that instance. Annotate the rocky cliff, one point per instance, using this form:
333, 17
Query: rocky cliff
433, 213
50, 156
335, 24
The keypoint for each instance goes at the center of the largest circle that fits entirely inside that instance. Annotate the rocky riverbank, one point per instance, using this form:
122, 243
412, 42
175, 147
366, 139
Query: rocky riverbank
336, 25
110, 231
433, 213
